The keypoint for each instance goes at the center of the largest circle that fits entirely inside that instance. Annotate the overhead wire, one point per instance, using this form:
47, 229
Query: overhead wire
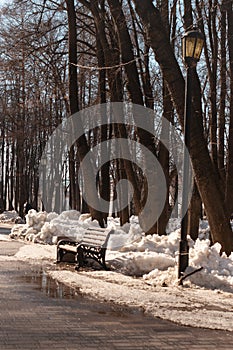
123, 64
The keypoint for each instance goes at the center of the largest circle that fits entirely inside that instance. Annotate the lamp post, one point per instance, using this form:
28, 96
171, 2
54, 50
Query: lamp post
192, 44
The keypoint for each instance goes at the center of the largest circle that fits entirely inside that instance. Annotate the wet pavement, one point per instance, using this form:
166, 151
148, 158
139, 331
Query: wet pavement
5, 229
37, 312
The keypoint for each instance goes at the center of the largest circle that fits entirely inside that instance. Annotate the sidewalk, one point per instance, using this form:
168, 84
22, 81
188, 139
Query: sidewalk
33, 316
6, 227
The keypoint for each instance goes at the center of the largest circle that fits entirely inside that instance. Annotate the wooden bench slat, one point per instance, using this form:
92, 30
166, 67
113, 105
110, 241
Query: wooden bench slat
99, 229
94, 237
92, 240
69, 247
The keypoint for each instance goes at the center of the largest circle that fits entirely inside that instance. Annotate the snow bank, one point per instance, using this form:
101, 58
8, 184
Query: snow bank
9, 216
37, 253
4, 237
130, 252
186, 306
217, 270
42, 227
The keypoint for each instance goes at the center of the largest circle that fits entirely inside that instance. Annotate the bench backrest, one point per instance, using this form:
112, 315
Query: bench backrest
96, 237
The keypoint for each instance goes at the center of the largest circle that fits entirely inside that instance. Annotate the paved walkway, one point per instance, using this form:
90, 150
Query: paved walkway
37, 313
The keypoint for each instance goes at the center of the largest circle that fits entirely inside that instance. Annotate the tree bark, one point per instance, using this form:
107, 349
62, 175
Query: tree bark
223, 93
163, 154
205, 175
111, 56
82, 145
194, 215
136, 96
104, 186
211, 56
229, 171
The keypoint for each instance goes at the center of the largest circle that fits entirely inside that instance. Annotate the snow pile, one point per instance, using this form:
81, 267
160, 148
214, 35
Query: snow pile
4, 237
42, 227
149, 253
130, 252
37, 253
204, 230
9, 216
217, 270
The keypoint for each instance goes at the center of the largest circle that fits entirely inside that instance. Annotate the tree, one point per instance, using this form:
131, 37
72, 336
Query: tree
205, 174
229, 168
82, 146
102, 52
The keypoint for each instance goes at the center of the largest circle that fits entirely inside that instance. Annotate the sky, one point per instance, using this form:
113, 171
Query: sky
143, 269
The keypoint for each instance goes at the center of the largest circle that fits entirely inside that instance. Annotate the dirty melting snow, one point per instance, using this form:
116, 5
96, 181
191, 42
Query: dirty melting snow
143, 268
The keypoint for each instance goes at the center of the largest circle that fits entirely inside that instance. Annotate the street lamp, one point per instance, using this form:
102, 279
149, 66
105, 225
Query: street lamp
192, 44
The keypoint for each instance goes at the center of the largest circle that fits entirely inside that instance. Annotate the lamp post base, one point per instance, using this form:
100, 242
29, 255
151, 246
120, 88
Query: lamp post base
183, 257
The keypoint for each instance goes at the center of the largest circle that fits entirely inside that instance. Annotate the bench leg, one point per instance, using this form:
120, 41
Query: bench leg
79, 258
104, 265
103, 252
59, 255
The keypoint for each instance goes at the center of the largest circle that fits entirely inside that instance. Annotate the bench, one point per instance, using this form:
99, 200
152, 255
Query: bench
93, 245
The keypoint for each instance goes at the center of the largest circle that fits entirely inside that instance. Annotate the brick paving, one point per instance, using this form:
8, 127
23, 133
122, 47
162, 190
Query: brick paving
35, 315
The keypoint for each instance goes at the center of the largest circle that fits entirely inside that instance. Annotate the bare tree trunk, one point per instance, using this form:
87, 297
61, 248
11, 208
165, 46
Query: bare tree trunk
229, 171
145, 73
73, 93
163, 158
82, 145
72, 176
195, 209
111, 56
2, 197
136, 96
12, 178
163, 155
223, 92
205, 175
104, 130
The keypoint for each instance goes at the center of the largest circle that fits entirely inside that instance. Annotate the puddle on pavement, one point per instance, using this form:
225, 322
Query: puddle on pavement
41, 281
